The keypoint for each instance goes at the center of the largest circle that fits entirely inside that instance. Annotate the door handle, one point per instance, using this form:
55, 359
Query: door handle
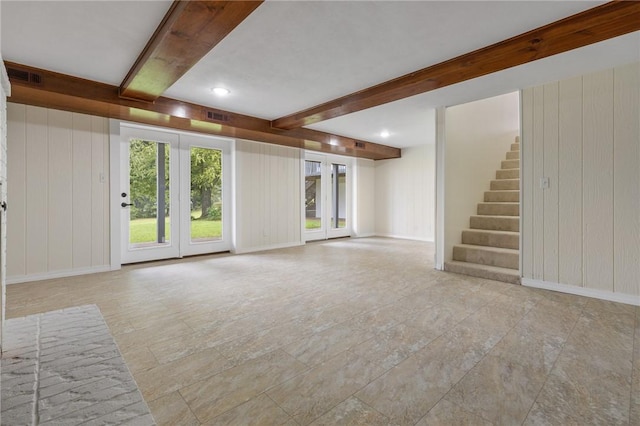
123, 204
3, 205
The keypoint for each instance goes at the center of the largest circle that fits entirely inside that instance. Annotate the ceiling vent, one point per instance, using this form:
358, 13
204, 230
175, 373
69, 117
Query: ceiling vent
23, 76
216, 116
360, 145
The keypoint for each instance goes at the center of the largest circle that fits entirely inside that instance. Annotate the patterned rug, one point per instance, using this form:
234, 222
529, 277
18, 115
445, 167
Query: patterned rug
63, 368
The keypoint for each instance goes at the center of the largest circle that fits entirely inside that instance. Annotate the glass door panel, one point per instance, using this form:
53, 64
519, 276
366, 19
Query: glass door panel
149, 194
148, 199
206, 195
339, 195
313, 195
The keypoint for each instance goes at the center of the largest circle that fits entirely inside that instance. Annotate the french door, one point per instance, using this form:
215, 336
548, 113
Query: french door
327, 197
175, 197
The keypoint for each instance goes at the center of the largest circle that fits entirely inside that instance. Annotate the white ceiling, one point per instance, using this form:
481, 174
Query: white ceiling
288, 56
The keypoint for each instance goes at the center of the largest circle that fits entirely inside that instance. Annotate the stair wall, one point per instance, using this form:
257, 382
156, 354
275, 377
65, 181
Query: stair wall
478, 135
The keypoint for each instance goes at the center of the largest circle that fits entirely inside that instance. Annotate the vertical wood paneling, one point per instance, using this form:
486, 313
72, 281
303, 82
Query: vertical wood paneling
37, 155
550, 158
81, 209
526, 172
106, 224
598, 180
626, 179
98, 207
60, 248
570, 182
267, 196
538, 172
16, 190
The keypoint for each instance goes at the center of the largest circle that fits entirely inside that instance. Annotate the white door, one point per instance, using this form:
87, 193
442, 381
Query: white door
175, 194
327, 197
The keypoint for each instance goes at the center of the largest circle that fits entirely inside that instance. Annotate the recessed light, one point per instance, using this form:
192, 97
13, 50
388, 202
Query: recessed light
220, 91
384, 133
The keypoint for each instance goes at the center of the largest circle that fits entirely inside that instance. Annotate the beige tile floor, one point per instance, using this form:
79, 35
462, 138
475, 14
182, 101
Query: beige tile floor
356, 332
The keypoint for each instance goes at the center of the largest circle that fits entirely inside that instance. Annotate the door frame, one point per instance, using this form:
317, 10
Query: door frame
327, 232
115, 180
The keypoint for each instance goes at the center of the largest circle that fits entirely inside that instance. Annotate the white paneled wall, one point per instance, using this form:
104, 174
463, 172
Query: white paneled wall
58, 223
405, 194
583, 233
268, 196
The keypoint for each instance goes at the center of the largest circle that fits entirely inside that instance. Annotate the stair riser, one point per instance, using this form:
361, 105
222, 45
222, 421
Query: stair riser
510, 164
513, 184
499, 209
484, 257
513, 155
515, 147
472, 270
508, 174
502, 197
480, 238
495, 223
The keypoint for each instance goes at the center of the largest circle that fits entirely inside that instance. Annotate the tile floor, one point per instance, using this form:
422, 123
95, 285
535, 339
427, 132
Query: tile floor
356, 332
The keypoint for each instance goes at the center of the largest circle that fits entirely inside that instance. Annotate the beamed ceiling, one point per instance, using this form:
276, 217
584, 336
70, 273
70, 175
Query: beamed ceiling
326, 76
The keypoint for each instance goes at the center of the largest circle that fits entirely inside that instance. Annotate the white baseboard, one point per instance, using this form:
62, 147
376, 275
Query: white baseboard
57, 274
265, 248
364, 235
404, 237
581, 291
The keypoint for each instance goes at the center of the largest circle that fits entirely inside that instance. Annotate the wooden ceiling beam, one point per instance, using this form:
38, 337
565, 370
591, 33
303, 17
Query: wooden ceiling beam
34, 86
600, 23
188, 31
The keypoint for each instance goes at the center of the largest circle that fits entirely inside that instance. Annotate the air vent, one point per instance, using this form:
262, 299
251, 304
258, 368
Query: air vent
17, 75
216, 116
360, 145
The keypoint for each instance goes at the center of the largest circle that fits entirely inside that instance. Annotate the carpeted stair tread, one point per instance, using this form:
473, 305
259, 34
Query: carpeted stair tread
505, 195
483, 271
493, 256
491, 238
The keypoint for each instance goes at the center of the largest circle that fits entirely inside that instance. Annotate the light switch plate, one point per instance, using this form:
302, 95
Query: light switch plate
544, 183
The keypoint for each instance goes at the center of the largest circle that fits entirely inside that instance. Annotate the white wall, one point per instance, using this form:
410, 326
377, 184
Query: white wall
364, 224
58, 185
477, 137
268, 196
405, 194
582, 235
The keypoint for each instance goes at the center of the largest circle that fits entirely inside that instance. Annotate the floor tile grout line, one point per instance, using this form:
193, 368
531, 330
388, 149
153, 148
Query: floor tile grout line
575, 324
35, 415
279, 406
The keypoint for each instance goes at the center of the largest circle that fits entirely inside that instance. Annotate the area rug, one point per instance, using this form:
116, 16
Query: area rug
64, 368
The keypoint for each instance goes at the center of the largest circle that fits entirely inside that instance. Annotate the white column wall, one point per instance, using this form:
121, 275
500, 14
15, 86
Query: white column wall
405, 194
582, 234
364, 198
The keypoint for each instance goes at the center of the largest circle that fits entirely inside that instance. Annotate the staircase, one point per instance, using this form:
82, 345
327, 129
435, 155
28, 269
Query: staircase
490, 249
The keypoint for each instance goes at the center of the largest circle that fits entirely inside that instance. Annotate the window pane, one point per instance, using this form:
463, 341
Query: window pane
313, 194
206, 194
